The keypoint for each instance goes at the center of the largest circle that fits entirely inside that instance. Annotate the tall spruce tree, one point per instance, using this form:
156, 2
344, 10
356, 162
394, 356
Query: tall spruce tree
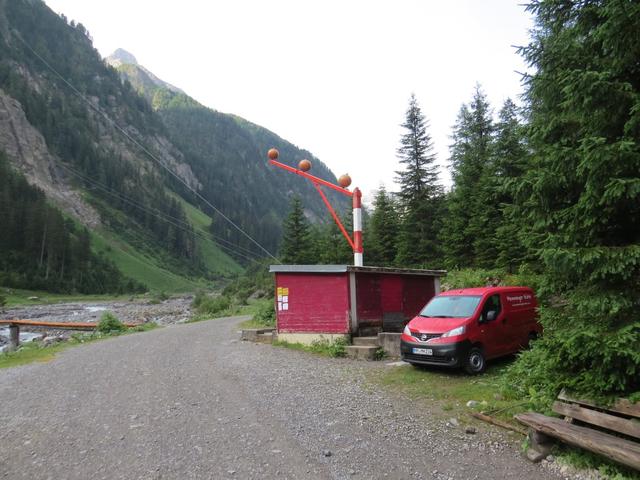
581, 196
510, 156
297, 247
466, 226
420, 193
382, 240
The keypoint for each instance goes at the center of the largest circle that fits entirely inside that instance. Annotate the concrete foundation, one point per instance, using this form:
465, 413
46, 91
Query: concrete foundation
310, 338
253, 334
362, 352
390, 343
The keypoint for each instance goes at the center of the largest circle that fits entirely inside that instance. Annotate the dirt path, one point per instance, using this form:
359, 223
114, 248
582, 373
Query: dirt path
191, 401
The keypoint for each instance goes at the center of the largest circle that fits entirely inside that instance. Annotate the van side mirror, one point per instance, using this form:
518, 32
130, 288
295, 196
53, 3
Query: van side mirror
491, 315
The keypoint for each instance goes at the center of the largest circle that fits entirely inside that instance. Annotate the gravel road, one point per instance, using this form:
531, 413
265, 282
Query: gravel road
192, 401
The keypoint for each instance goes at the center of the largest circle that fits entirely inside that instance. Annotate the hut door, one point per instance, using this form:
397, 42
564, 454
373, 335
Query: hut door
391, 292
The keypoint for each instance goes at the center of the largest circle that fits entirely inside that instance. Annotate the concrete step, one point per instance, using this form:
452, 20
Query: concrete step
265, 337
251, 334
365, 341
361, 352
390, 343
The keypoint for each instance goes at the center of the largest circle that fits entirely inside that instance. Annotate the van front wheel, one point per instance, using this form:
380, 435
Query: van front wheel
475, 363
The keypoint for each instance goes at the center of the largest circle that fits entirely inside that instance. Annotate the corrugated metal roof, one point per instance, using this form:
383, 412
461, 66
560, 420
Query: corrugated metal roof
351, 268
308, 268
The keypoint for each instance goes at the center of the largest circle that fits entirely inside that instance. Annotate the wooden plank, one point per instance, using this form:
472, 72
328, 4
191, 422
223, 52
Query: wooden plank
37, 323
497, 422
601, 419
622, 405
615, 448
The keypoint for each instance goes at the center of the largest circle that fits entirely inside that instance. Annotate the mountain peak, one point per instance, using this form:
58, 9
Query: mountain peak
121, 57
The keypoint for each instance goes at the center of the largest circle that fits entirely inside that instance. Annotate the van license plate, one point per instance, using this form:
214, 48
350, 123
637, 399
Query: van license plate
423, 351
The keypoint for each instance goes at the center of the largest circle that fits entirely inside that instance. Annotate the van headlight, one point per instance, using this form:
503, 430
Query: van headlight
406, 330
454, 332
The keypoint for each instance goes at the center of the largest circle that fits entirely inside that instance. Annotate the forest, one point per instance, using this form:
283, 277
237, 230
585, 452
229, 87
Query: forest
41, 249
549, 191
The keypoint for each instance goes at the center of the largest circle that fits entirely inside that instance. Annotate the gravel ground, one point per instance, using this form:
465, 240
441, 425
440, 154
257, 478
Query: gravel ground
192, 401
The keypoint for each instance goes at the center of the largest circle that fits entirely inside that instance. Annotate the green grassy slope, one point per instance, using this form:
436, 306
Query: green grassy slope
141, 267
139, 261
213, 256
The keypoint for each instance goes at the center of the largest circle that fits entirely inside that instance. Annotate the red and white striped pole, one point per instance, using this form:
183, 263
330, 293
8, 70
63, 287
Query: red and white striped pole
358, 259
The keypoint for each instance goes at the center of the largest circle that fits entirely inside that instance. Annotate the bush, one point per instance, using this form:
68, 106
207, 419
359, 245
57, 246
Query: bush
211, 305
266, 314
468, 278
337, 348
110, 323
3, 301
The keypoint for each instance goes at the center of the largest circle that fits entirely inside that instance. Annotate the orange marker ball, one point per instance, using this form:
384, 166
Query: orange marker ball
273, 154
304, 165
344, 181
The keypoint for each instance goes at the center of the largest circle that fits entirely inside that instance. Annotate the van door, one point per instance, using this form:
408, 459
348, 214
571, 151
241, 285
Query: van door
494, 333
521, 314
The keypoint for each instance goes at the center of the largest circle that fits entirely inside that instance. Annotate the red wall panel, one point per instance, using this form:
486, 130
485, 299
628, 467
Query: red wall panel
369, 300
418, 290
317, 303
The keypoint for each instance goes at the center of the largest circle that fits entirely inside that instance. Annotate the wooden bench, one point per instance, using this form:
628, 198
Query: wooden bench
14, 327
612, 431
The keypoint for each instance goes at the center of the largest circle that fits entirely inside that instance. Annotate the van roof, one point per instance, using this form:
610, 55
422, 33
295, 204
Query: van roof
479, 291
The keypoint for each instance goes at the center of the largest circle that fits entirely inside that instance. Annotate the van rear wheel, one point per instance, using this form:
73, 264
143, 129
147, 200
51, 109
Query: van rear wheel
475, 362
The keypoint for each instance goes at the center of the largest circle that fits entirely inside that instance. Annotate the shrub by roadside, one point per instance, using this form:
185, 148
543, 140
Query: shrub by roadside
109, 323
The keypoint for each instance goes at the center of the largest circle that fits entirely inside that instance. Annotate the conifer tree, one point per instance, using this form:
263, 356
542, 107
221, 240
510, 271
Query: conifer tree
382, 237
466, 225
510, 156
581, 196
296, 239
420, 193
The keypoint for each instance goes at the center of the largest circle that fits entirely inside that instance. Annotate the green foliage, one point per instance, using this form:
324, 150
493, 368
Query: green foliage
578, 197
466, 230
109, 323
382, 239
297, 247
159, 297
470, 278
266, 315
3, 301
40, 249
130, 196
608, 469
336, 348
206, 304
420, 193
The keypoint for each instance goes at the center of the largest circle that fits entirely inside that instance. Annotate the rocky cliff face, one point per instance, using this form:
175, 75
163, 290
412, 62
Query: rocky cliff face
28, 150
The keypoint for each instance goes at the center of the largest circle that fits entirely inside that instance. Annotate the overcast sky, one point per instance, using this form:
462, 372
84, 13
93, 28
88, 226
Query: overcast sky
333, 77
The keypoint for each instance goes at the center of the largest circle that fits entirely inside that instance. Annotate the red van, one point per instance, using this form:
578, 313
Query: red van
465, 328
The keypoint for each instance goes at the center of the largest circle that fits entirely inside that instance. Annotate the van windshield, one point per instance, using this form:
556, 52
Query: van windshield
451, 307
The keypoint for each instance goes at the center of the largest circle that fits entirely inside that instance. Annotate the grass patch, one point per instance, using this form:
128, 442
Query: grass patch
452, 389
264, 314
325, 348
32, 352
584, 459
37, 352
209, 307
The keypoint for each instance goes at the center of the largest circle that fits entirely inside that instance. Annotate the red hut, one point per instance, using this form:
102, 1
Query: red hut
332, 301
